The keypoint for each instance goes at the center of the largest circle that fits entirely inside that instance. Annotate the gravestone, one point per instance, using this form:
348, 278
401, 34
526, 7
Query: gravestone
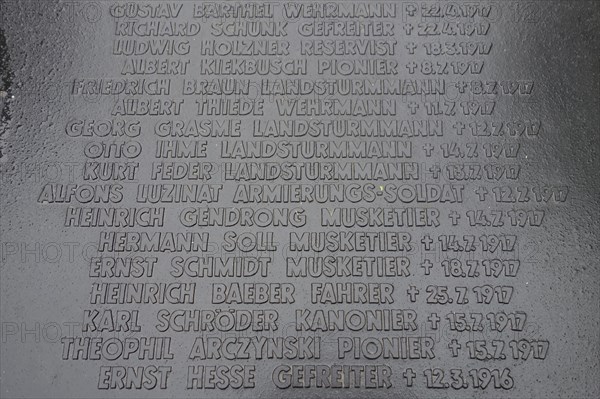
345, 199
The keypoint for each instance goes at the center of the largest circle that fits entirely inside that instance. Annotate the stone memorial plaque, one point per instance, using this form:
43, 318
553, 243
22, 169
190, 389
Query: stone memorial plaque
300, 199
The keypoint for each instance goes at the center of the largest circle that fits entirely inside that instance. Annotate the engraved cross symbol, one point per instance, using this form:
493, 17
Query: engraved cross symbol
454, 347
428, 148
460, 128
427, 265
409, 374
427, 241
412, 293
413, 107
434, 319
412, 66
454, 216
408, 28
411, 10
435, 171
411, 47
461, 86
482, 193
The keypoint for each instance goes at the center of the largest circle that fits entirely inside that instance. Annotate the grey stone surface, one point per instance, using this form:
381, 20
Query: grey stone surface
543, 72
